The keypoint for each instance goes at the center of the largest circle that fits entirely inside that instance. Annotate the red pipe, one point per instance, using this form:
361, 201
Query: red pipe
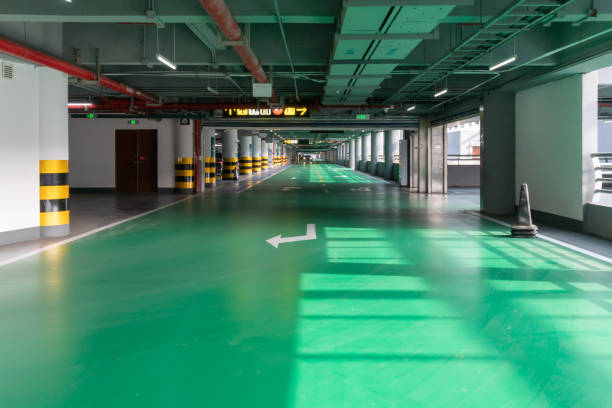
28, 54
221, 15
122, 106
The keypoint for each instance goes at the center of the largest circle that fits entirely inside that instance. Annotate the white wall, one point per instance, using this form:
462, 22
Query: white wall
92, 150
556, 130
19, 178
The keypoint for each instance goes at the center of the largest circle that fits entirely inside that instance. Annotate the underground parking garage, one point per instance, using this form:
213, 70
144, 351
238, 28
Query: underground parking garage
283, 203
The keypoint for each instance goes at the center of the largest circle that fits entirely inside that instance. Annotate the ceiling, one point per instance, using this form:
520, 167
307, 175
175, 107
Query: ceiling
341, 57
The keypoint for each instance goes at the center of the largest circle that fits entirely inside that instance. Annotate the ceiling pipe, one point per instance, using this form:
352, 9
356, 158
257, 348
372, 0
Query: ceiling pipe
222, 16
37, 57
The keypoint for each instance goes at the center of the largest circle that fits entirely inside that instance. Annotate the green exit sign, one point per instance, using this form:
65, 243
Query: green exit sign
132, 122
91, 115
363, 116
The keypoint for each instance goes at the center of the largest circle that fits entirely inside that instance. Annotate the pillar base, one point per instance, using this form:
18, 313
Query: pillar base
55, 231
183, 190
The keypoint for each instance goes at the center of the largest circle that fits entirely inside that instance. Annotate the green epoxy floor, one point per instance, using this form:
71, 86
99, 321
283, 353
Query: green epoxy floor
402, 301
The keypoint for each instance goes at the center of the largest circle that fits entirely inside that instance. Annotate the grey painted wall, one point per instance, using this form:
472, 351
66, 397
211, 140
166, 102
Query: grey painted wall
497, 159
464, 175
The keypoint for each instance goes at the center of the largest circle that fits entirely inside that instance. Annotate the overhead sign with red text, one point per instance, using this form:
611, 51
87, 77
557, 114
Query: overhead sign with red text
286, 112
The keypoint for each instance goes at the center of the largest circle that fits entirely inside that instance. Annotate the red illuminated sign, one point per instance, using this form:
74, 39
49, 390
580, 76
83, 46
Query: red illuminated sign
287, 112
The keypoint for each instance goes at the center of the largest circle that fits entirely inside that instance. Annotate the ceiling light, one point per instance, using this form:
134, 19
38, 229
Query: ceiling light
75, 104
503, 63
608, 121
212, 90
408, 109
441, 92
165, 61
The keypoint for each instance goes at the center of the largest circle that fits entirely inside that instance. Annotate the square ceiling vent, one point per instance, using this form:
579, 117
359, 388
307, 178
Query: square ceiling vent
7, 71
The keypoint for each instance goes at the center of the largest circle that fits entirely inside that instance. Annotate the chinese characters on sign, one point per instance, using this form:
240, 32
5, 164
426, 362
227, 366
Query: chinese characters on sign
289, 112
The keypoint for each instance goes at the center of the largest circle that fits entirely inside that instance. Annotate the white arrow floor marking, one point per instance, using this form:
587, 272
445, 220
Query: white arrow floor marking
311, 233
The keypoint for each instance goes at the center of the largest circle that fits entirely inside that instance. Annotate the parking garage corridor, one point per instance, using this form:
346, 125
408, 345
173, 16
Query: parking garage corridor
401, 300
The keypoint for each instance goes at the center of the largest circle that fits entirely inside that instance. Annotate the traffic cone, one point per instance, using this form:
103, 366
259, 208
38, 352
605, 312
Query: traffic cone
524, 227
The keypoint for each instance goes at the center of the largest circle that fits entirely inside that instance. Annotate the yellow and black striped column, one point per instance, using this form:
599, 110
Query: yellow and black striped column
54, 195
230, 165
210, 171
264, 163
246, 165
184, 176
256, 164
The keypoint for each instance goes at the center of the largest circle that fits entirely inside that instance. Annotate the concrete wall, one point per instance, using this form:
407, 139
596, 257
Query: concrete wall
19, 177
556, 126
92, 150
463, 175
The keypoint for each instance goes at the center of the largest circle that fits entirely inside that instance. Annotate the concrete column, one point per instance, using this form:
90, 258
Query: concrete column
347, 153
256, 154
53, 153
424, 166
352, 154
376, 141
497, 153
274, 154
357, 152
230, 156
184, 165
245, 159
208, 151
264, 154
392, 138
366, 148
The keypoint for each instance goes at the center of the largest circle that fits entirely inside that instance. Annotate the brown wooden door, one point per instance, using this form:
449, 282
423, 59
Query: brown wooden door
136, 161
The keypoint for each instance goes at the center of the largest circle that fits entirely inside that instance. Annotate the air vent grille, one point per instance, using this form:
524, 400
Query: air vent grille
7, 71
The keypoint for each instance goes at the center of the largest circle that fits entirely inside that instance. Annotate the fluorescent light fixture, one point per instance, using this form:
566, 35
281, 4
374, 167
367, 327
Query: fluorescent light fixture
75, 104
503, 63
441, 92
608, 121
408, 109
165, 61
212, 90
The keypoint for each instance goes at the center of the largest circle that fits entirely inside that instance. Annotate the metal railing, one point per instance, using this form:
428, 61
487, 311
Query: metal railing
463, 159
602, 166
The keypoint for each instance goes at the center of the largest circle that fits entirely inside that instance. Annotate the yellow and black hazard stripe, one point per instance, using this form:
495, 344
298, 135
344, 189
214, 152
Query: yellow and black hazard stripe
210, 170
284, 159
230, 166
274, 161
54, 195
264, 163
246, 165
256, 164
184, 174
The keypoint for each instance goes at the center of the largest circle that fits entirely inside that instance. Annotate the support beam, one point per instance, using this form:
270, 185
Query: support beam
434, 35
